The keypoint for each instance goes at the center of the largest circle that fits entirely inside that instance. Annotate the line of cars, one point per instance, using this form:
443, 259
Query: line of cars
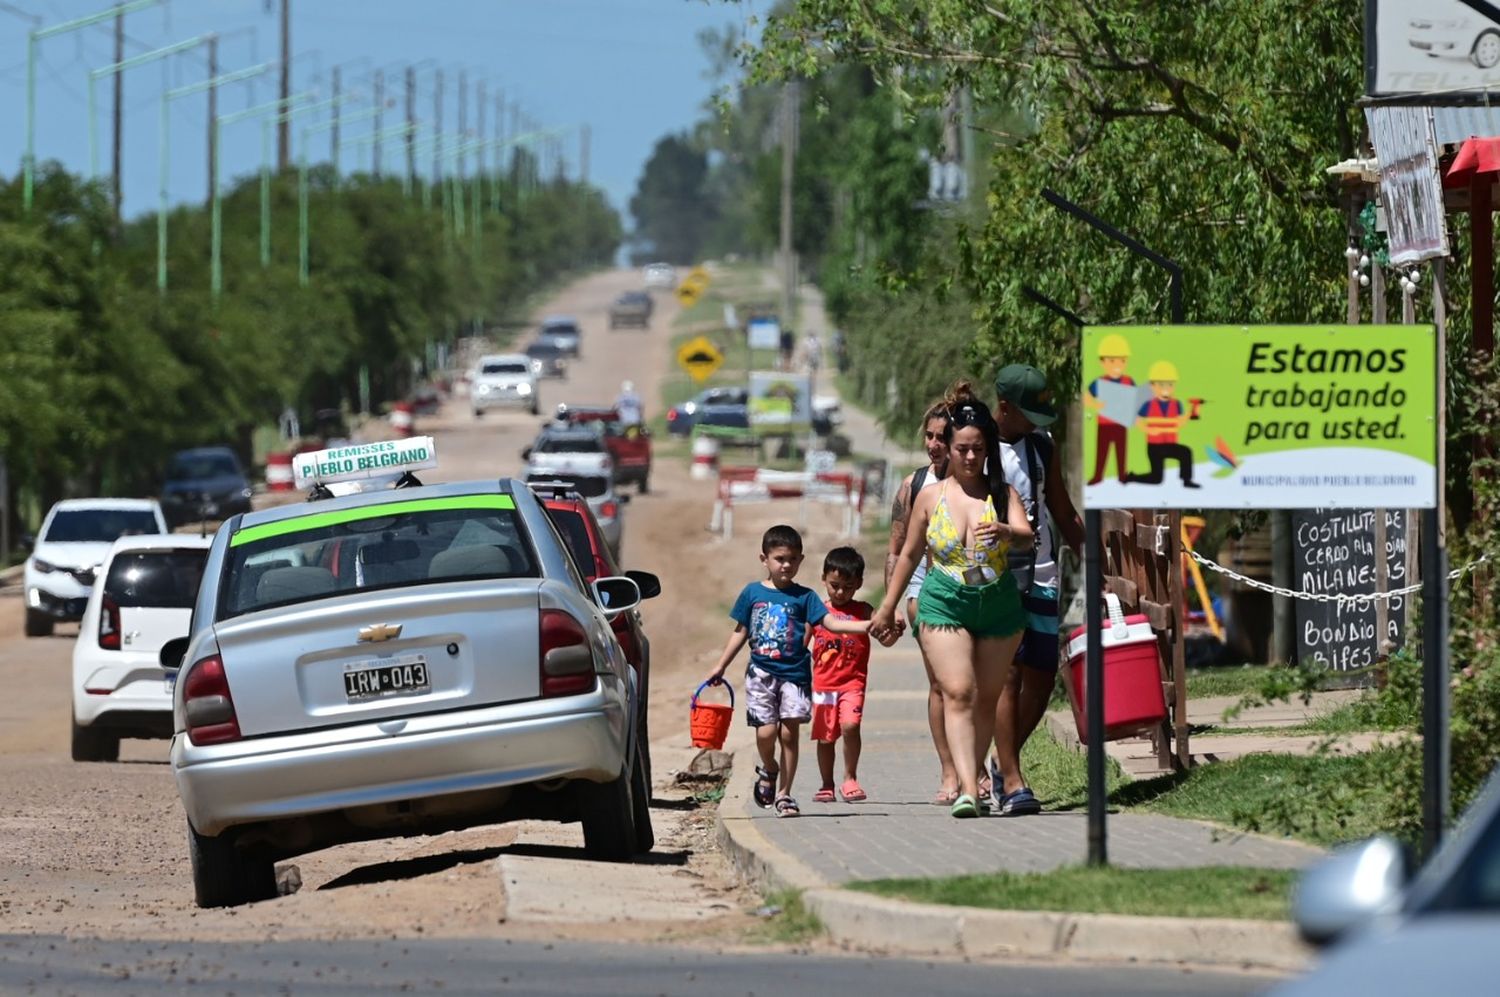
384, 663
513, 380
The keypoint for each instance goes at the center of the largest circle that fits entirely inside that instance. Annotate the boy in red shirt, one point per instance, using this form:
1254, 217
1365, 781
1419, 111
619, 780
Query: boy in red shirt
841, 666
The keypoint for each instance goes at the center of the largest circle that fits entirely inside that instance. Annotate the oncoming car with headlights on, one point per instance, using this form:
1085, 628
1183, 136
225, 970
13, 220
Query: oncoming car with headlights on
504, 379
399, 662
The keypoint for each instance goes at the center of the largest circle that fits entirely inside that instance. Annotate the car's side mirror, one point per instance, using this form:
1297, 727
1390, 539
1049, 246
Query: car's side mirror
526, 454
648, 583
1349, 888
616, 594
623, 499
172, 653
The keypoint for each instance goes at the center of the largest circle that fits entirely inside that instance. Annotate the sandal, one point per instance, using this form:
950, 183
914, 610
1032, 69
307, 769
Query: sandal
765, 786
985, 786
851, 792
824, 795
787, 807
1021, 803
944, 797
964, 807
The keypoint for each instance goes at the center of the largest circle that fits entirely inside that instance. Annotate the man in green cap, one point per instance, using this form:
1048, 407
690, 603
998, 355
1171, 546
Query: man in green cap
1023, 410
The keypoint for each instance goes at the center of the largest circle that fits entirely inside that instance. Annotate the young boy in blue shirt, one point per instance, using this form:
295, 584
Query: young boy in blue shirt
773, 617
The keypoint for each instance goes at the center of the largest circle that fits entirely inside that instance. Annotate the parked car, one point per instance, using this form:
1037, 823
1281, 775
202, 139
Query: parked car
595, 489
1394, 932
204, 483
569, 450
728, 407
660, 276
575, 521
143, 599
629, 446
72, 543
827, 414
503, 379
548, 360
400, 663
631, 310
564, 332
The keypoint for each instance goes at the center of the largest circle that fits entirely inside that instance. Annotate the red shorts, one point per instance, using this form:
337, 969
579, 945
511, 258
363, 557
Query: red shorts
833, 710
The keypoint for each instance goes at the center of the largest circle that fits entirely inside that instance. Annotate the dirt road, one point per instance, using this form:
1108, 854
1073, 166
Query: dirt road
99, 850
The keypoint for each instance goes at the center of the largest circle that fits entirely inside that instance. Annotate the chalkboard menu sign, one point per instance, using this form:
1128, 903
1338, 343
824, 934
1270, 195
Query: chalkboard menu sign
1334, 551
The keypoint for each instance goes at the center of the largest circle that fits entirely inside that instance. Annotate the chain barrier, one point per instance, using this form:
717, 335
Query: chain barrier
1339, 597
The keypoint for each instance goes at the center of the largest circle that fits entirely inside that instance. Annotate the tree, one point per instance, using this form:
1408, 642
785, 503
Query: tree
669, 206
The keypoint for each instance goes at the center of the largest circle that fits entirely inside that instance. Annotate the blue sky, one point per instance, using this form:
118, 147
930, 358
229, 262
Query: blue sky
630, 69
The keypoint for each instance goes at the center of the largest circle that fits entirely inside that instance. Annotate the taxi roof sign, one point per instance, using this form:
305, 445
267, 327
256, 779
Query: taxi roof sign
363, 460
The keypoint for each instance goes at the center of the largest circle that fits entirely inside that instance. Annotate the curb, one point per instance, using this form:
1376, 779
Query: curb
864, 921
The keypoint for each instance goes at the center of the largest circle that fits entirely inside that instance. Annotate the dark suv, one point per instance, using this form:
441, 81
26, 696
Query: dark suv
204, 483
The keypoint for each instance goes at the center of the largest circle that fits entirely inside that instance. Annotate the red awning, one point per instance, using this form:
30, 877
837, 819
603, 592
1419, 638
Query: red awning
1476, 157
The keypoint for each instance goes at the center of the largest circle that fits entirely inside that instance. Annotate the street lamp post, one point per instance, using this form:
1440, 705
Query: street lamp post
163, 155
28, 161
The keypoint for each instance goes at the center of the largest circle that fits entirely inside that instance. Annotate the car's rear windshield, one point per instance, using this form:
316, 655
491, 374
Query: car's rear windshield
569, 444
505, 368
156, 579
99, 525
587, 485
419, 542
542, 349
192, 467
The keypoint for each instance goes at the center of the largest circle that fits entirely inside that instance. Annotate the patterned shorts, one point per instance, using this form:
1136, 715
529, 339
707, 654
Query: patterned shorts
770, 700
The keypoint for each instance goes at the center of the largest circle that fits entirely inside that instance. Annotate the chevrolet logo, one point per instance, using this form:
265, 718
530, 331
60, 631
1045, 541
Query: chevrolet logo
377, 632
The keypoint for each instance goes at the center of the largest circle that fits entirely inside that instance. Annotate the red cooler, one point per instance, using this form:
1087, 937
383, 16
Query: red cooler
1133, 701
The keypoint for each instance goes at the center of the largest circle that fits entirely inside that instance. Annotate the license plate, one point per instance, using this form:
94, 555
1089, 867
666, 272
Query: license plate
385, 678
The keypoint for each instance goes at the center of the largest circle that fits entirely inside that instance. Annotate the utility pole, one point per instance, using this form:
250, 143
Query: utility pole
463, 117
333, 131
788, 166
283, 126
437, 117
411, 125
379, 121
213, 111
583, 155
479, 107
119, 114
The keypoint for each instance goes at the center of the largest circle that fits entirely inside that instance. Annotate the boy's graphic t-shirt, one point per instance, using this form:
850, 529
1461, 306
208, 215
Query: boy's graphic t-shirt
777, 621
841, 662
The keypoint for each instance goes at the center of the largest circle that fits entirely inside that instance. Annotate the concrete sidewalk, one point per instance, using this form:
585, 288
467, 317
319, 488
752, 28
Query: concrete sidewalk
899, 833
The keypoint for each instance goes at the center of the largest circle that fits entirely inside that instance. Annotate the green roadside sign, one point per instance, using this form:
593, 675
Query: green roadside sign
1260, 417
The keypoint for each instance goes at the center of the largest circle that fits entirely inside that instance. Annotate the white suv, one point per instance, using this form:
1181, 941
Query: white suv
73, 541
144, 598
503, 379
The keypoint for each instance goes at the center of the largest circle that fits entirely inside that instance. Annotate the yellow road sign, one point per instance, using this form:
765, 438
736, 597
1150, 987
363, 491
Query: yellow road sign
688, 294
698, 276
700, 358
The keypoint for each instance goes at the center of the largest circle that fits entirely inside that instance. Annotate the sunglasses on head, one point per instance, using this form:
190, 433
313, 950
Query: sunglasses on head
971, 415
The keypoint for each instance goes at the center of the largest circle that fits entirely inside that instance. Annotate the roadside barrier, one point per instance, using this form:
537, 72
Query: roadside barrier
752, 485
279, 472
705, 456
401, 418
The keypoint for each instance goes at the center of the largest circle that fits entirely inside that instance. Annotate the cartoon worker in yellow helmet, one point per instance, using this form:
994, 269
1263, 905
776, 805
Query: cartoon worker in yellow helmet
1114, 356
1162, 417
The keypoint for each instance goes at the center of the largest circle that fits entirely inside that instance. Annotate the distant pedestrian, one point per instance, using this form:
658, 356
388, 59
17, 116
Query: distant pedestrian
934, 438
788, 347
773, 615
628, 405
1024, 409
841, 670
969, 610
812, 353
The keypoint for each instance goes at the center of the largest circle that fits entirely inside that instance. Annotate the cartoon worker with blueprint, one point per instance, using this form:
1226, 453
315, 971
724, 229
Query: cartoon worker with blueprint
1116, 399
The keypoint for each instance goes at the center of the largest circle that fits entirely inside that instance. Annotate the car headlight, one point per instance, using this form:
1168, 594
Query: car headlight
523, 388
43, 566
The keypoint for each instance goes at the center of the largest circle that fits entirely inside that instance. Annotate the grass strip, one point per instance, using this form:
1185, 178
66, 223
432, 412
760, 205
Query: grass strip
791, 924
1215, 891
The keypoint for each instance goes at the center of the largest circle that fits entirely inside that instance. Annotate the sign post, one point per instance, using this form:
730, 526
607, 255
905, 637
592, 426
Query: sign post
1269, 417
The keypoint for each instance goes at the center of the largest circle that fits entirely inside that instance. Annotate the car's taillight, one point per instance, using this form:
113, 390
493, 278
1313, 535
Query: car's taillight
109, 624
672, 415
609, 510
567, 659
207, 703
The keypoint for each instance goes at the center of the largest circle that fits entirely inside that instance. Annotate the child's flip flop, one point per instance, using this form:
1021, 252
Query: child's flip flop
851, 792
824, 795
964, 807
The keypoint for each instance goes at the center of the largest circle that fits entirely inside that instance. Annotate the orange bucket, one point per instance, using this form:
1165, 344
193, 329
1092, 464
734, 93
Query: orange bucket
709, 722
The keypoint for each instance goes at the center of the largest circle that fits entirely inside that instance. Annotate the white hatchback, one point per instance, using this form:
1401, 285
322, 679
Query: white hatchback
68, 550
503, 379
143, 598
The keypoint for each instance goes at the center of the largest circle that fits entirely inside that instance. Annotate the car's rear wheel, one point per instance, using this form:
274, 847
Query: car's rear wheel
534, 407
640, 795
645, 484
225, 875
609, 826
93, 745
38, 624
479, 413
